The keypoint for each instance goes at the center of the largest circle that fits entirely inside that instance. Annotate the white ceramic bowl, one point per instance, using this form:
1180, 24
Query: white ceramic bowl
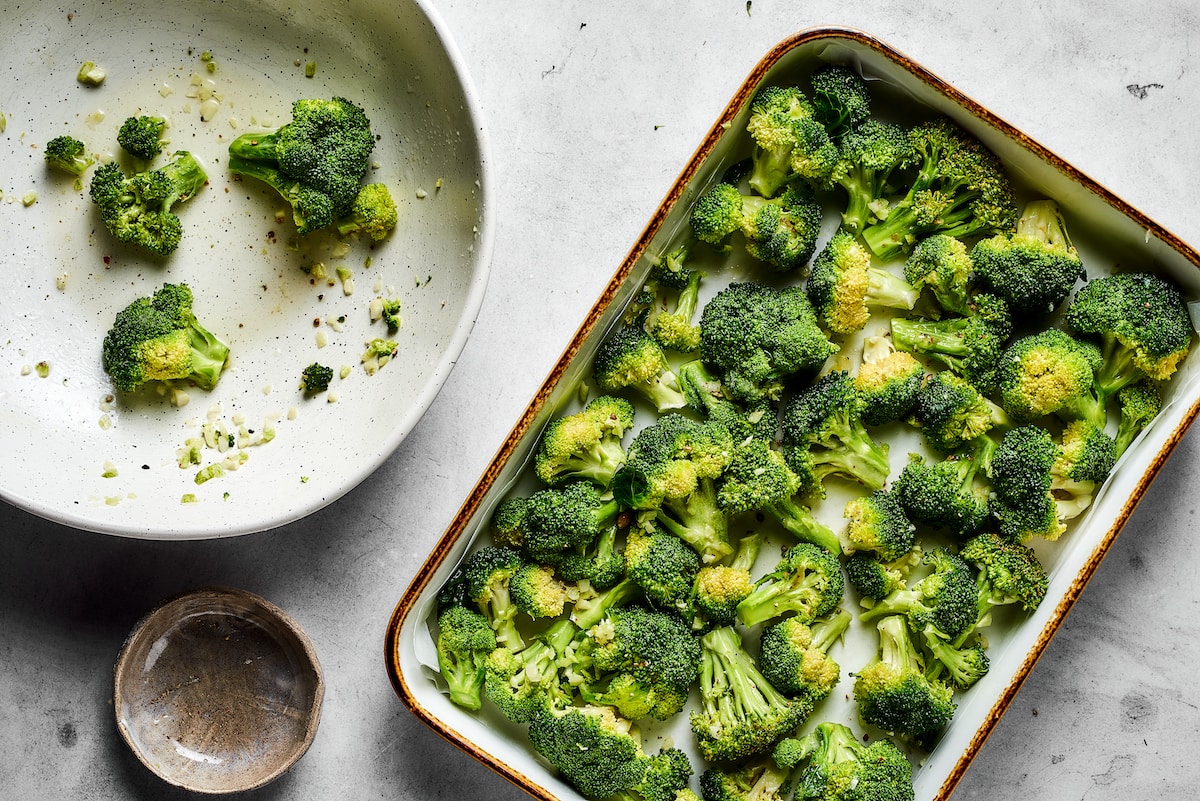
245, 266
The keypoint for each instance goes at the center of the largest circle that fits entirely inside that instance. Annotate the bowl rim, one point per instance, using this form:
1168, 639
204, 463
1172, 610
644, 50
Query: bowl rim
210, 596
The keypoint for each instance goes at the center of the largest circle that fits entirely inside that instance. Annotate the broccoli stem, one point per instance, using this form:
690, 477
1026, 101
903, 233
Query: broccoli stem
800, 523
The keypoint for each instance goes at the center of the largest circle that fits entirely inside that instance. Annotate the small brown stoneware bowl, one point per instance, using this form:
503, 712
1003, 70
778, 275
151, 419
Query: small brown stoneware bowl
218, 691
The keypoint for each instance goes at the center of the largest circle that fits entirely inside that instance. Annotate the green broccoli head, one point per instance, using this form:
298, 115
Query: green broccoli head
781, 231
874, 579
756, 779
892, 690
664, 567
944, 599
844, 285
373, 213
969, 346
806, 582
559, 521
630, 359
941, 264
1050, 373
138, 209
316, 378
1034, 267
68, 154
1023, 502
1139, 403
487, 574
878, 523
952, 413
464, 640
841, 100
887, 382
948, 494
831, 764
717, 214
794, 656
1009, 572
868, 157
586, 444
789, 142
141, 136
537, 591
159, 338
591, 746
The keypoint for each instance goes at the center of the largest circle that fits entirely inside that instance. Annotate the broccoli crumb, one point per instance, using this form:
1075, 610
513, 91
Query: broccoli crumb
315, 378
189, 497
378, 353
90, 74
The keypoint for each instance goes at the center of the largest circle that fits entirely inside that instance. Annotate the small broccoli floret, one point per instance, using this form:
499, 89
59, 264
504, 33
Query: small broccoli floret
1009, 573
592, 747
949, 494
893, 692
665, 568
670, 469
823, 431
389, 312
141, 136
1085, 458
1034, 267
840, 98
944, 599
759, 479
316, 378
874, 579
831, 764
790, 143
316, 161
138, 208
969, 346
844, 285
1050, 373
1022, 500
465, 638
373, 213
878, 524
158, 338
507, 523
941, 264
523, 681
706, 395
868, 157
1140, 403
537, 592
68, 154
1141, 322
806, 582
755, 779
585, 445
488, 573
717, 214
666, 779
757, 337
960, 189
780, 231
740, 714
674, 326
794, 656
645, 661
719, 588
887, 382
631, 359
561, 521
951, 412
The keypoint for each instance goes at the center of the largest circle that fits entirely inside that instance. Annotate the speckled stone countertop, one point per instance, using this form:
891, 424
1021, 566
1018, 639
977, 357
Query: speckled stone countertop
592, 109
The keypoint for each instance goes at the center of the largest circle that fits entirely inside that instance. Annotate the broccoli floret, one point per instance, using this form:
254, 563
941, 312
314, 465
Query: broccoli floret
142, 136
943, 600
759, 479
488, 573
465, 638
806, 582
585, 445
878, 524
670, 469
316, 161
823, 431
316, 378
631, 359
644, 660
941, 264
794, 656
789, 142
949, 494
561, 521
601, 564
1022, 502
373, 213
874, 579
158, 338
507, 523
138, 208
780, 231
868, 156
717, 214
840, 98
740, 714
1141, 322
1050, 373
526, 680
718, 589
1086, 456
665, 568
1139, 403
591, 746
887, 382
673, 326
755, 779
537, 592
68, 154
960, 189
844, 285
1009, 573
706, 395
666, 779
1032, 268
963, 665
951, 412
389, 312
831, 764
892, 690
969, 346
756, 337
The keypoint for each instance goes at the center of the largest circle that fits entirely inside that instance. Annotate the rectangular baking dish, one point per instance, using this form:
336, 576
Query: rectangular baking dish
1106, 231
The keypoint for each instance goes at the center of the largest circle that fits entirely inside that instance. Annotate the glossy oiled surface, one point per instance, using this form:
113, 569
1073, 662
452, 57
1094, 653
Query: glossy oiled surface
607, 101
